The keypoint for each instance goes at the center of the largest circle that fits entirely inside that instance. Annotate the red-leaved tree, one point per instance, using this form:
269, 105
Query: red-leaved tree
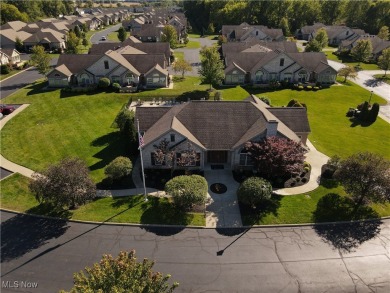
276, 157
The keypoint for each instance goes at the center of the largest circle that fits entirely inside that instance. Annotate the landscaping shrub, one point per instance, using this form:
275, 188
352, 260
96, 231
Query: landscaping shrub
5, 69
254, 191
300, 87
309, 88
316, 88
104, 82
116, 86
118, 168
187, 191
218, 96
265, 100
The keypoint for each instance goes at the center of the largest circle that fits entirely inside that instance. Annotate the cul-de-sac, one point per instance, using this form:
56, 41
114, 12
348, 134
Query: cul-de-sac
195, 146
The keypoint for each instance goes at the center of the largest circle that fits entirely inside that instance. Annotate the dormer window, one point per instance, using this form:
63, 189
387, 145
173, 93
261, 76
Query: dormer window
106, 66
281, 62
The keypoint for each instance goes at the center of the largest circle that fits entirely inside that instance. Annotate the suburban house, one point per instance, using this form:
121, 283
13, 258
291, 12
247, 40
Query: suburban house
8, 37
9, 56
216, 130
137, 46
245, 32
378, 45
336, 33
48, 38
15, 25
261, 65
136, 69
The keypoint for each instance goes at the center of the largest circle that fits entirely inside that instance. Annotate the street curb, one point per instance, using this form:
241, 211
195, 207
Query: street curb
193, 227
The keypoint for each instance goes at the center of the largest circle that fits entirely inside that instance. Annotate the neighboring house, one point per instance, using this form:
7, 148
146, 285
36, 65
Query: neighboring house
149, 33
378, 45
48, 38
142, 70
244, 32
305, 32
8, 37
15, 25
256, 66
9, 56
217, 130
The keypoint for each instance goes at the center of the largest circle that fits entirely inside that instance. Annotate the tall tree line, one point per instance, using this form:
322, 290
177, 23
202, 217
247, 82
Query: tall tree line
290, 15
33, 10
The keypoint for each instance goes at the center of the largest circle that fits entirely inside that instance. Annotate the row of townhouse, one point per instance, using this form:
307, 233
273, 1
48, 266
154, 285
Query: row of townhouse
51, 32
149, 26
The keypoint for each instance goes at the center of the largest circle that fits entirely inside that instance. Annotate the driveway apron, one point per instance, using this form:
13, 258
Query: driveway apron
222, 210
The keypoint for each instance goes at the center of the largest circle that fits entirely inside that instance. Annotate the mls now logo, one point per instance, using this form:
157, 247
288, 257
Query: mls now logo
19, 284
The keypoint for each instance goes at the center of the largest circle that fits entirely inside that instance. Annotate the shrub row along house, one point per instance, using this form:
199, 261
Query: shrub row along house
216, 130
258, 63
126, 65
149, 27
51, 32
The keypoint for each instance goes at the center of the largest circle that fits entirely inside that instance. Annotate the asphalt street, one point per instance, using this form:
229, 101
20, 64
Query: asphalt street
332, 258
96, 38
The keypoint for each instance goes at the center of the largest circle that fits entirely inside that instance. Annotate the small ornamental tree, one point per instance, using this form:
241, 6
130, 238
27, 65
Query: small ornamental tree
347, 71
362, 51
384, 33
122, 274
366, 177
221, 40
104, 82
85, 42
72, 43
169, 35
118, 168
211, 70
126, 124
122, 34
19, 45
77, 31
322, 38
187, 191
384, 60
66, 184
181, 66
254, 191
276, 157
313, 46
40, 59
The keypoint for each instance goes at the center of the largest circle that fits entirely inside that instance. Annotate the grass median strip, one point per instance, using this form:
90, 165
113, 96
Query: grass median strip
16, 196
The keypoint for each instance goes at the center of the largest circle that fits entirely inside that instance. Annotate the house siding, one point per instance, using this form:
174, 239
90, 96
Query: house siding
151, 79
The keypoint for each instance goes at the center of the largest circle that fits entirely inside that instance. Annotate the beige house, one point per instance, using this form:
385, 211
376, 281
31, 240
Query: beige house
217, 131
8, 37
9, 56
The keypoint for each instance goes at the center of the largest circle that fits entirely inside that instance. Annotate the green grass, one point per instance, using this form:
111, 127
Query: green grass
113, 36
384, 78
190, 45
309, 208
348, 61
16, 196
179, 55
53, 127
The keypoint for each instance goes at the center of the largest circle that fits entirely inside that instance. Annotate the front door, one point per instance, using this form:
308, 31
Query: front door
217, 157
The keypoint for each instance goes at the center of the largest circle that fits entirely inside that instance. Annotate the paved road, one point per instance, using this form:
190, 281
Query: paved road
353, 259
98, 35
20, 80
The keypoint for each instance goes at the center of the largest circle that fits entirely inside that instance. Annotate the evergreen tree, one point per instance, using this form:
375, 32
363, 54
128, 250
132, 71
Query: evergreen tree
122, 34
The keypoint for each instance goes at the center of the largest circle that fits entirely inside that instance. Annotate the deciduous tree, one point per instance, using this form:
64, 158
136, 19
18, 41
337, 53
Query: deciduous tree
11, 13
169, 35
182, 66
275, 157
40, 59
347, 71
384, 60
366, 177
122, 274
362, 51
313, 46
66, 184
72, 43
322, 38
384, 33
211, 70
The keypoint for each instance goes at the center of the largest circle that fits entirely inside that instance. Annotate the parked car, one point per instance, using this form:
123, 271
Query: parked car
103, 38
5, 110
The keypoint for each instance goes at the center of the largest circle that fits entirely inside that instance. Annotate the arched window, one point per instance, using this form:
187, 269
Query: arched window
302, 76
245, 158
57, 75
84, 78
259, 76
129, 78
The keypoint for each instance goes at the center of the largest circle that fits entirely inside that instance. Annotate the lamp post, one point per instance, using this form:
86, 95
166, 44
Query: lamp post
369, 101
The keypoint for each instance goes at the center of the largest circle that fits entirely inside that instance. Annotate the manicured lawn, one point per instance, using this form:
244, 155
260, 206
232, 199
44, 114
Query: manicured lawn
113, 36
53, 127
347, 61
385, 78
305, 208
15, 195
190, 45
179, 55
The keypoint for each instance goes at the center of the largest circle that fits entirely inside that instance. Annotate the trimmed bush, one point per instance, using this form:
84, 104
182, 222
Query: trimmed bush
265, 100
254, 191
309, 88
316, 88
118, 168
187, 191
104, 82
116, 86
4, 69
300, 87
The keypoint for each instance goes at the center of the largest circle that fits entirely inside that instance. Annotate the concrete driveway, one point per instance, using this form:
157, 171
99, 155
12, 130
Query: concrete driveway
333, 258
366, 80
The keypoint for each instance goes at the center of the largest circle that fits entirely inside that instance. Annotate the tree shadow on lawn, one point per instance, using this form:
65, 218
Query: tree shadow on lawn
24, 233
253, 216
355, 122
345, 236
38, 88
162, 212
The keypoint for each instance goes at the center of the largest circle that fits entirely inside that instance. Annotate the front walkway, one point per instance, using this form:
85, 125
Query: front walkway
222, 210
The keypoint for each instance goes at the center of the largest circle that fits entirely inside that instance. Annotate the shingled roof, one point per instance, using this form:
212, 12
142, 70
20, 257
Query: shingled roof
220, 125
256, 45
